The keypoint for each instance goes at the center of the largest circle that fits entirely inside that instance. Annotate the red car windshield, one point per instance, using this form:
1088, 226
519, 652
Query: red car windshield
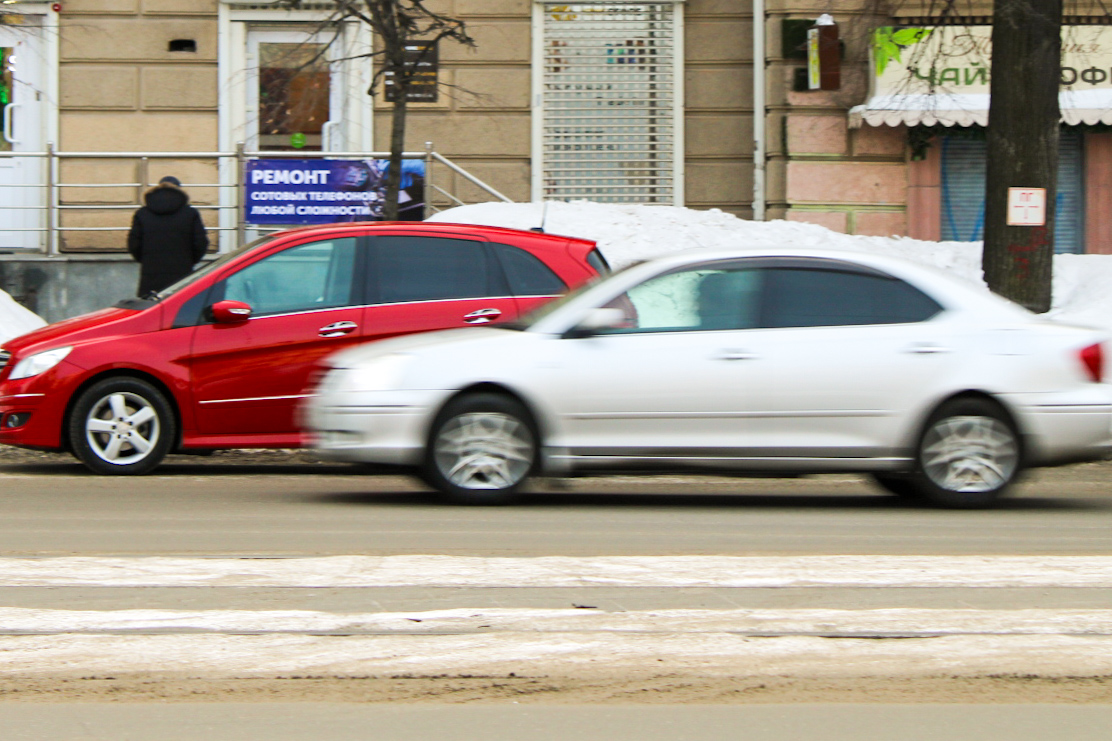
209, 267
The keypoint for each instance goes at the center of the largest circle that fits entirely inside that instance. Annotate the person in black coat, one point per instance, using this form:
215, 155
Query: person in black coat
167, 237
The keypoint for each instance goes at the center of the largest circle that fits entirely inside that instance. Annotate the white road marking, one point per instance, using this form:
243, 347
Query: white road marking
560, 571
536, 654
758, 642
889, 621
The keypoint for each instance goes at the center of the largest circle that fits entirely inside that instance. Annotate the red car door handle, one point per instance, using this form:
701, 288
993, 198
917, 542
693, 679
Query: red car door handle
338, 329
482, 316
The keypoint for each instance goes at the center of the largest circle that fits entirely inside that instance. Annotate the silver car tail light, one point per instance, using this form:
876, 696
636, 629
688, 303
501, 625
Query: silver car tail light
1092, 358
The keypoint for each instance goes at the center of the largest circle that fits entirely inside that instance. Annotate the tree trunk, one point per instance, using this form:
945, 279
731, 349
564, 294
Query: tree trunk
397, 146
1022, 146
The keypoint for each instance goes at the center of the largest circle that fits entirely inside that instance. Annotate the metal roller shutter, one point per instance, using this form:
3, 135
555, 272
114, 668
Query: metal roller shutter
609, 102
963, 192
1069, 216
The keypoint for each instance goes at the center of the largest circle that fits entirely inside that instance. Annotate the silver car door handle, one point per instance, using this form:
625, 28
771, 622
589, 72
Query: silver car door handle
925, 348
338, 329
734, 355
482, 316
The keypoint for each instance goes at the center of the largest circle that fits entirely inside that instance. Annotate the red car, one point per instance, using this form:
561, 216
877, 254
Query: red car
222, 358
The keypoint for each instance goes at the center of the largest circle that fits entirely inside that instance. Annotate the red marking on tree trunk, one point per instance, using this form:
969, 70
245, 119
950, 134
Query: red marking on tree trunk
1037, 238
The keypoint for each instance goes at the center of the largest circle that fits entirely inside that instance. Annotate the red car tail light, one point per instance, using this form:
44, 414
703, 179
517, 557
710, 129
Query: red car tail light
1092, 357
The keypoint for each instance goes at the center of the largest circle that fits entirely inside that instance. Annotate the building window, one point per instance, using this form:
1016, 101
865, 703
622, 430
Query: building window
295, 83
610, 105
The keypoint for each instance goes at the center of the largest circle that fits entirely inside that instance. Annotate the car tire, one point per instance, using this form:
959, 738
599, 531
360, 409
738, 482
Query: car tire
481, 449
902, 486
968, 454
121, 426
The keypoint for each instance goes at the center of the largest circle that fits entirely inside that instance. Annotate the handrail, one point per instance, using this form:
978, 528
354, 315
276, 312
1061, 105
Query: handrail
307, 154
445, 193
232, 177
460, 171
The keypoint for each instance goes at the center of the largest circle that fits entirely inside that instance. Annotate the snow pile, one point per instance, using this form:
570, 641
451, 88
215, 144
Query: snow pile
1082, 292
16, 320
627, 233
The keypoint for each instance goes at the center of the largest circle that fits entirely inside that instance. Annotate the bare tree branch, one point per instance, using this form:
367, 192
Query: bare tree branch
395, 24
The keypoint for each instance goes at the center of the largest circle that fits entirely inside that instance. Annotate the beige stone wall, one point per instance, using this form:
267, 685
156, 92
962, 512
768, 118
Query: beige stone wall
121, 89
719, 105
484, 121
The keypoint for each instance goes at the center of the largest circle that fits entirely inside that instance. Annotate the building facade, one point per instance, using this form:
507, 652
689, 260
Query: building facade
620, 101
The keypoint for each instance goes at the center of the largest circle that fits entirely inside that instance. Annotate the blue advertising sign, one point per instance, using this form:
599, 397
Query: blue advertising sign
289, 192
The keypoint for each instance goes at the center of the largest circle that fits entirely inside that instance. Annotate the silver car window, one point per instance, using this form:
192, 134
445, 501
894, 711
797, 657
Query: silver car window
700, 298
830, 298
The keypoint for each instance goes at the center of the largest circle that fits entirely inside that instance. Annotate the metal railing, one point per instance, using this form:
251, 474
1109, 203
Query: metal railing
230, 205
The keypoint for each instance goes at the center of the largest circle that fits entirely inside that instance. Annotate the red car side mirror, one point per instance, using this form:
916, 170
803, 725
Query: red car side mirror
230, 312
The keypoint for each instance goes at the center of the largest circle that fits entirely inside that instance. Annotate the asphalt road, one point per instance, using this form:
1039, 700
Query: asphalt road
347, 722
266, 504
58, 680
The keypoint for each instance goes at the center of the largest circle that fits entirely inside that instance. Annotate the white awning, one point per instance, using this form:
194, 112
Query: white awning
948, 109
940, 76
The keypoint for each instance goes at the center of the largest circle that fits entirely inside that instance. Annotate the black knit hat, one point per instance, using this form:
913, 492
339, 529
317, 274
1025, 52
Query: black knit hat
171, 180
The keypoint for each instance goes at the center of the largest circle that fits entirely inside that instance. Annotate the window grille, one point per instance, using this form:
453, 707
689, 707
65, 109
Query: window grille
609, 102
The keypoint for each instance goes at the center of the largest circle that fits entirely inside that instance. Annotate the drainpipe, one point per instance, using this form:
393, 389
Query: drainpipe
759, 158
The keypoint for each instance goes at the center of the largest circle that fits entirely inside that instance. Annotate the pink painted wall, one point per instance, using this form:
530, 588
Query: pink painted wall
847, 182
853, 181
880, 223
833, 220
817, 135
888, 141
924, 196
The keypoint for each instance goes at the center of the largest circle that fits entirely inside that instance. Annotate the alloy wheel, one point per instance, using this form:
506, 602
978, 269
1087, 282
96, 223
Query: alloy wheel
122, 428
484, 450
970, 454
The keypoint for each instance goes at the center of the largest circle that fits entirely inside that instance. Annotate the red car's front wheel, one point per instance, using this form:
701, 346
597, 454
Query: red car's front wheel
121, 426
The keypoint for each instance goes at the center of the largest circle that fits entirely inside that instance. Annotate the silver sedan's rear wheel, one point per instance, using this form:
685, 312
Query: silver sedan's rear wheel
121, 426
968, 455
482, 449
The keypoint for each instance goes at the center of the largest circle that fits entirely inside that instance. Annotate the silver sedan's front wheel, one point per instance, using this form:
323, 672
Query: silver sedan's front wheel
482, 449
121, 426
968, 454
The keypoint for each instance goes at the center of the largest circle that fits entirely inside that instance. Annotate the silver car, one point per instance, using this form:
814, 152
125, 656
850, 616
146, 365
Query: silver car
749, 361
